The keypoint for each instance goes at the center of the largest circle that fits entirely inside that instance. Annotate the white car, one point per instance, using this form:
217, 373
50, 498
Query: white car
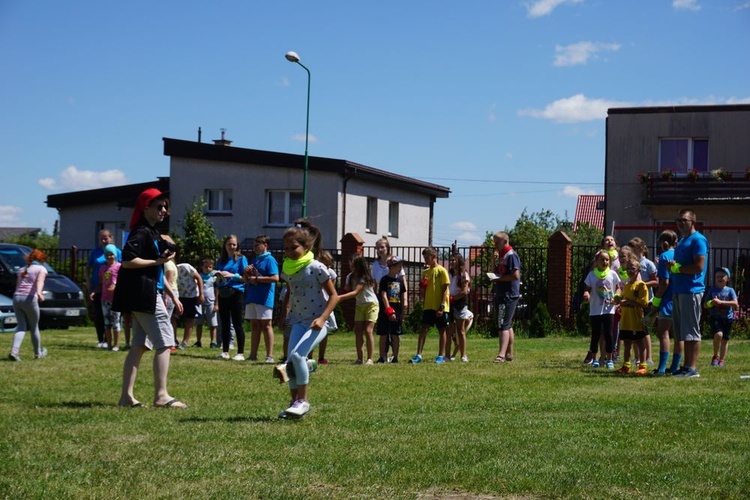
8, 320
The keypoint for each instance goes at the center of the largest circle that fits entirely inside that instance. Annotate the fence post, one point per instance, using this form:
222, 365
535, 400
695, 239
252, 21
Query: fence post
351, 244
559, 259
74, 263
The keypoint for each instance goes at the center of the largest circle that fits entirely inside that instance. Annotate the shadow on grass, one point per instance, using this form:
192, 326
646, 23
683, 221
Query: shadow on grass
261, 419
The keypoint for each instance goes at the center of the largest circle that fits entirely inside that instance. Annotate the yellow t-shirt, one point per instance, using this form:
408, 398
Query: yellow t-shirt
632, 315
436, 292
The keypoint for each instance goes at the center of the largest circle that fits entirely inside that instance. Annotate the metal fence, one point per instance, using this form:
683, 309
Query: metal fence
479, 261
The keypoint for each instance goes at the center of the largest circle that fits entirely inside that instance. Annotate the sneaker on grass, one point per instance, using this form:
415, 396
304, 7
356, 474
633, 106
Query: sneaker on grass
269, 360
223, 355
595, 364
610, 364
42, 353
715, 361
440, 360
239, 357
298, 409
688, 373
13, 356
416, 359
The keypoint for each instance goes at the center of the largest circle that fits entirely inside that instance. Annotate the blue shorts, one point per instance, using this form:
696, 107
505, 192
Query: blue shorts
723, 325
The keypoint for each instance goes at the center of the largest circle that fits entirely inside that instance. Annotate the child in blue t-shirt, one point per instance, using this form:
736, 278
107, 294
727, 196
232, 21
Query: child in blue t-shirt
721, 301
261, 277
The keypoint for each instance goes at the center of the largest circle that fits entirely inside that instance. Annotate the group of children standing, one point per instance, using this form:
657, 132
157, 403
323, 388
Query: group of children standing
627, 293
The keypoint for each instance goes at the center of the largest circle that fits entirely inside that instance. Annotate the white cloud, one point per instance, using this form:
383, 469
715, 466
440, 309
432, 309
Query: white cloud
72, 179
541, 8
577, 108
575, 191
9, 215
463, 225
301, 138
685, 5
284, 81
470, 238
744, 6
579, 53
491, 112
580, 108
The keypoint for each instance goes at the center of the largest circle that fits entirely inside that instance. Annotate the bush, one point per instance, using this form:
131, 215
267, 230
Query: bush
413, 321
582, 320
541, 323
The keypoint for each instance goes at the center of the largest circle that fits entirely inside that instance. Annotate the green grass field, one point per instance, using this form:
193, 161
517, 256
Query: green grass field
540, 427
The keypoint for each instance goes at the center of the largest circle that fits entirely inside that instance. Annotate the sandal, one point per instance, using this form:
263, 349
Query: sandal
499, 359
509, 358
172, 403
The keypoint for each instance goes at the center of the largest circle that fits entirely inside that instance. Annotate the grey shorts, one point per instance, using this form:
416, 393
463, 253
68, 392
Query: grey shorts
208, 316
111, 318
154, 331
686, 315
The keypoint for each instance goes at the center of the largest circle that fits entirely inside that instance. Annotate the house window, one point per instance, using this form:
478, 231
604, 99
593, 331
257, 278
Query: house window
372, 215
283, 207
218, 201
393, 219
683, 155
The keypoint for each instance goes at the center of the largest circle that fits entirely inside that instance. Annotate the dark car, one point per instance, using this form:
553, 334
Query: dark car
63, 304
7, 315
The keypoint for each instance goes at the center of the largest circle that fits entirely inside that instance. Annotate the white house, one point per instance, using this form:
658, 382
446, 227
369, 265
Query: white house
250, 192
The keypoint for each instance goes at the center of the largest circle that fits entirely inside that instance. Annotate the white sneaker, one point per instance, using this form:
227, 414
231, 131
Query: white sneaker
239, 357
101, 345
115, 349
42, 354
464, 359
223, 355
13, 356
299, 408
269, 360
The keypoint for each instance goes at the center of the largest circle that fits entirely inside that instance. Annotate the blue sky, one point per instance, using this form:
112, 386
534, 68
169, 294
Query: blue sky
503, 101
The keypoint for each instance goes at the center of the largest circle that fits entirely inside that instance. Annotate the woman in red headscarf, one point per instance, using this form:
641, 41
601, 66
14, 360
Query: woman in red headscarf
140, 289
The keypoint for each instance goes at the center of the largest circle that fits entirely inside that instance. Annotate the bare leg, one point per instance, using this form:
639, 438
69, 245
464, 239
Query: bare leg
129, 374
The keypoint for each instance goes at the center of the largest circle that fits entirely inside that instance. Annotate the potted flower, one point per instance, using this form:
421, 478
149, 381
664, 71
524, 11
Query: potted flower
668, 174
720, 174
644, 177
692, 175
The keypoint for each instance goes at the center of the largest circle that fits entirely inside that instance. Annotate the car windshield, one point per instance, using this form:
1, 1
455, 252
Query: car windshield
15, 259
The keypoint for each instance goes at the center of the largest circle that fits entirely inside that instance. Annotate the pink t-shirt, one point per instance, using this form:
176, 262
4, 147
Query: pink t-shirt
26, 285
107, 280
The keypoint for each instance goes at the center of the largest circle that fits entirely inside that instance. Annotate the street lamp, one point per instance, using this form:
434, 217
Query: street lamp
293, 57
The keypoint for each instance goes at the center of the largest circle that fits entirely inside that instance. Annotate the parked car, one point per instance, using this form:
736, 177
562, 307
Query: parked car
7, 314
63, 304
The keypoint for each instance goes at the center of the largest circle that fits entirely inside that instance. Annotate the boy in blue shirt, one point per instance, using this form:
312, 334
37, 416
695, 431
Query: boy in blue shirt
721, 301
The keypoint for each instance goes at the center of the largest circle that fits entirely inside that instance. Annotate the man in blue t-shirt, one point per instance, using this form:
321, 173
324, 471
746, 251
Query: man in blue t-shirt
688, 278
506, 287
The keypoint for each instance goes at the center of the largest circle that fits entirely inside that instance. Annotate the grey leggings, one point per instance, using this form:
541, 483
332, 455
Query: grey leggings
27, 314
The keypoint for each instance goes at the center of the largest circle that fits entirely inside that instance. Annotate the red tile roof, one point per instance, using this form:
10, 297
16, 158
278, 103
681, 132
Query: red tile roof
590, 208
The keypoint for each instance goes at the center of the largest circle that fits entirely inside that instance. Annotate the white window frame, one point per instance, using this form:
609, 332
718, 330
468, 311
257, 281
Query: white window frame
223, 199
288, 216
690, 144
393, 210
371, 219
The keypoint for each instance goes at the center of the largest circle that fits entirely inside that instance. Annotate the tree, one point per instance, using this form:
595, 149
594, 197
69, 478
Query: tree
41, 240
200, 238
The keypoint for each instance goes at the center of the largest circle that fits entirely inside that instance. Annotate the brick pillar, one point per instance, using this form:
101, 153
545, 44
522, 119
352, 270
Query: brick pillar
351, 245
559, 259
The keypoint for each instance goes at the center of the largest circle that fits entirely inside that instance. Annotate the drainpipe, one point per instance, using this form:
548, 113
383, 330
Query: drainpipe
346, 178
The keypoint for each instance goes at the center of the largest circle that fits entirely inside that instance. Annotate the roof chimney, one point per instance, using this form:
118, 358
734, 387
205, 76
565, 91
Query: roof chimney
222, 141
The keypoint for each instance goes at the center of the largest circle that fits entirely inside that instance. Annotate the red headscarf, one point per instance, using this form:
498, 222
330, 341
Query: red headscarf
144, 200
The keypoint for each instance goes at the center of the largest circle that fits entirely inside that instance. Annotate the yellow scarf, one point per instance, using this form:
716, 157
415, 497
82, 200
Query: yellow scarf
294, 266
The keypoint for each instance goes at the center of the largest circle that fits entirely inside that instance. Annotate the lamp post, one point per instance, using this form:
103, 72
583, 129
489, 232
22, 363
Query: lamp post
293, 57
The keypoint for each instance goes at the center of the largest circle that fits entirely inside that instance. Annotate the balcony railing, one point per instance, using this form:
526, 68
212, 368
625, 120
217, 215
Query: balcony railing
703, 190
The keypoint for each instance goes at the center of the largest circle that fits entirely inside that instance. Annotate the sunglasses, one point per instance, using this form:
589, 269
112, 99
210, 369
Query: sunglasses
683, 220
162, 206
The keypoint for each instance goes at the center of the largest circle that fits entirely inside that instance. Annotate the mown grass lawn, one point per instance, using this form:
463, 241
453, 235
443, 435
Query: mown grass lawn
539, 427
